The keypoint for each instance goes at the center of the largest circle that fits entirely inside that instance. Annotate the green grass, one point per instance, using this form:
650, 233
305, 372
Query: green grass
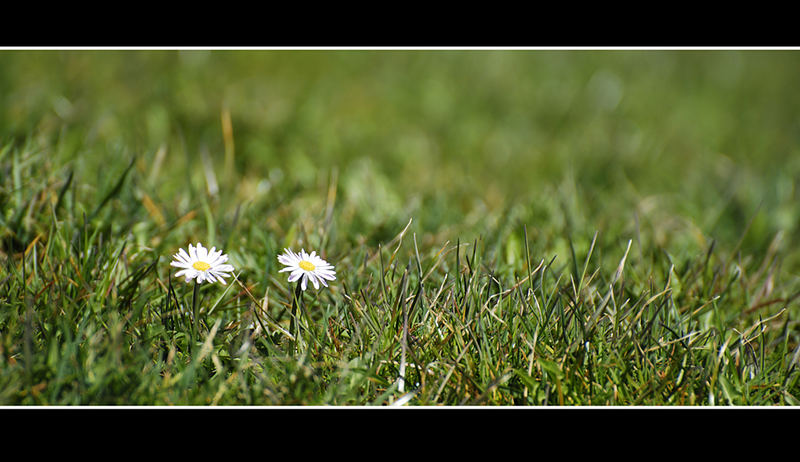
508, 227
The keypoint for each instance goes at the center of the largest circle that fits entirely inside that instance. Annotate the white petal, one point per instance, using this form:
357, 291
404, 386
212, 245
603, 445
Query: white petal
202, 252
212, 256
177, 258
226, 268
218, 258
295, 276
185, 255
221, 259
327, 276
220, 276
288, 268
286, 260
304, 282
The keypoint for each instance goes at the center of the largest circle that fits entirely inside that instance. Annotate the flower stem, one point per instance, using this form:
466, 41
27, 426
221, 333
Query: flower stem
294, 325
194, 315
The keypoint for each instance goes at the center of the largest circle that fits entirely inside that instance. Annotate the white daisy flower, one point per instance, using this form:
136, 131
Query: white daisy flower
308, 267
202, 264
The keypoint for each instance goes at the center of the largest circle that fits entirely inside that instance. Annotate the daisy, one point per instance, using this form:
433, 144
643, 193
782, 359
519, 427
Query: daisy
202, 264
308, 267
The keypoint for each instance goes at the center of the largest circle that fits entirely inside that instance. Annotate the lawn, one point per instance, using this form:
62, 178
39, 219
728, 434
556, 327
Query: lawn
507, 227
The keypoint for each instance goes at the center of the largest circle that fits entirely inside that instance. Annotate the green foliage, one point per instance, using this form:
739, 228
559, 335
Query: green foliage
508, 227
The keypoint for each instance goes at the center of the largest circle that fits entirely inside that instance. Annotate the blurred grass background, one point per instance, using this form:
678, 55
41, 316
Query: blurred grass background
693, 142
254, 150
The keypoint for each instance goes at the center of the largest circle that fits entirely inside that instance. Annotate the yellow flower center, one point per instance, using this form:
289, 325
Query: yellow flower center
200, 265
306, 265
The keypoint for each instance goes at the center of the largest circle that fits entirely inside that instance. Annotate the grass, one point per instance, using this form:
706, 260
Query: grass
508, 227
